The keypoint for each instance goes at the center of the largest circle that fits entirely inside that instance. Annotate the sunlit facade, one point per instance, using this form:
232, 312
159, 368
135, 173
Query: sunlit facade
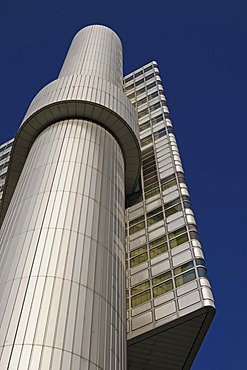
95, 163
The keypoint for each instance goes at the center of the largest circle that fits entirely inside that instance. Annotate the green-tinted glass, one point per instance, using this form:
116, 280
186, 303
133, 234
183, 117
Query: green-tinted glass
179, 240
138, 260
184, 267
167, 185
158, 250
152, 220
136, 220
138, 251
162, 288
137, 227
140, 287
162, 277
185, 278
140, 298
172, 210
151, 193
177, 232
156, 242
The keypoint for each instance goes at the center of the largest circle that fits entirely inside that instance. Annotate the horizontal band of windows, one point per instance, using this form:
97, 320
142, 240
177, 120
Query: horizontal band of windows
156, 251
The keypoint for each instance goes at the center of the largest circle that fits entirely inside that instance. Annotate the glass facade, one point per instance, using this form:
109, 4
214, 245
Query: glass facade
5, 151
164, 260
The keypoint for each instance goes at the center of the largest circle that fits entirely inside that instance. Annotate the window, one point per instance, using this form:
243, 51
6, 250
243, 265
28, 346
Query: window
136, 220
147, 140
159, 279
138, 260
149, 77
139, 92
202, 272
159, 134
137, 83
137, 227
140, 102
130, 87
183, 268
128, 79
140, 287
143, 112
185, 278
162, 248
153, 189
162, 288
150, 86
194, 235
173, 210
153, 95
138, 74
140, 298
168, 184
172, 203
200, 261
138, 251
155, 216
148, 68
179, 240
131, 96
157, 119
144, 125
181, 177
177, 232
154, 106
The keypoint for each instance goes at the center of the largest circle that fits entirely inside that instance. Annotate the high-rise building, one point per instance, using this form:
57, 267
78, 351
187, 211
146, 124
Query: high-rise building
96, 219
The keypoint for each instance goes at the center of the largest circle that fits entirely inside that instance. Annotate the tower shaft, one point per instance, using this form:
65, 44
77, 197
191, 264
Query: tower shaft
63, 237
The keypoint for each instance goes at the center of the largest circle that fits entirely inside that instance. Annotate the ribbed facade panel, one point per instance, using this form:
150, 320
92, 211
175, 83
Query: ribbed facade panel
63, 279
88, 42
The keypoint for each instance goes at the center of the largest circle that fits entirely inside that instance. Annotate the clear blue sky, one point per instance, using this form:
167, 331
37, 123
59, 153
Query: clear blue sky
201, 49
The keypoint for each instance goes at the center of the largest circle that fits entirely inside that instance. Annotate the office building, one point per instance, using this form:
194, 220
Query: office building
96, 220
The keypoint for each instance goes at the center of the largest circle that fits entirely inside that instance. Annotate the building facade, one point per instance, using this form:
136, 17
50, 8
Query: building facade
96, 221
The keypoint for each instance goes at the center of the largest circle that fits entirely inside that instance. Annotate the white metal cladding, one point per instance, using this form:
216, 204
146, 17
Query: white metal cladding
89, 86
62, 276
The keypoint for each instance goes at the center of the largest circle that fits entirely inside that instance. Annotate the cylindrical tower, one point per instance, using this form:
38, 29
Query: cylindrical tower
62, 274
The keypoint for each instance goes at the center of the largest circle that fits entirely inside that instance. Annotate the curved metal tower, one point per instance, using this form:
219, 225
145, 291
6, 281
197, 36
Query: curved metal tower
62, 272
